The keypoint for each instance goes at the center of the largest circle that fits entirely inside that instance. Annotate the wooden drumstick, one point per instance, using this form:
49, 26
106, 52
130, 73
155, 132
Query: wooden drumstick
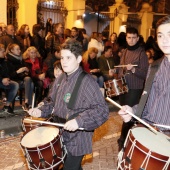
164, 126
125, 65
108, 64
49, 123
137, 118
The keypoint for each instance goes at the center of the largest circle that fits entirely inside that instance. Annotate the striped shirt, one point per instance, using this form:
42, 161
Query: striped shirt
90, 104
136, 57
157, 108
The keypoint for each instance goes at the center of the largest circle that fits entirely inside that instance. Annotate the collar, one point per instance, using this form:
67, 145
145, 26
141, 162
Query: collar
131, 48
74, 74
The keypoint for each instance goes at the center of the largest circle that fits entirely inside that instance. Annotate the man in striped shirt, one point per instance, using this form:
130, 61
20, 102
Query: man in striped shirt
89, 111
135, 75
157, 106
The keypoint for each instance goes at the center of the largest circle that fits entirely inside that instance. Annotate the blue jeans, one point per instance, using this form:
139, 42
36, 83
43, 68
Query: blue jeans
11, 90
100, 80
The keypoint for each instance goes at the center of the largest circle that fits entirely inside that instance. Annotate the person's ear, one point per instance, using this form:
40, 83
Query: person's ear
79, 59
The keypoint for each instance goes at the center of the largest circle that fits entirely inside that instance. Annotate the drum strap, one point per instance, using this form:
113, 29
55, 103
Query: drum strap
154, 68
73, 97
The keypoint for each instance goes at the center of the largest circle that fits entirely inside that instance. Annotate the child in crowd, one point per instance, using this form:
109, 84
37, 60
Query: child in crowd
10, 87
57, 69
20, 73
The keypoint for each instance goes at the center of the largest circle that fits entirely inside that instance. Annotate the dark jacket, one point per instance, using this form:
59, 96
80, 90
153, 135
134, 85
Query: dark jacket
21, 41
4, 69
39, 43
9, 39
16, 64
53, 41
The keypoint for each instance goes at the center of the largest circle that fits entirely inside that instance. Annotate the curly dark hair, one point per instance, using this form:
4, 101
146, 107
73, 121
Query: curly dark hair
74, 46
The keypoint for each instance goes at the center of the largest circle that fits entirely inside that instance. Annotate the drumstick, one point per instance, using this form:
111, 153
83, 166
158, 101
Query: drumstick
49, 123
164, 126
108, 64
137, 118
125, 65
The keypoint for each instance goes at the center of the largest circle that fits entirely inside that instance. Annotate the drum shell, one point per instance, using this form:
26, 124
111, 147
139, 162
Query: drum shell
116, 87
46, 152
28, 126
140, 153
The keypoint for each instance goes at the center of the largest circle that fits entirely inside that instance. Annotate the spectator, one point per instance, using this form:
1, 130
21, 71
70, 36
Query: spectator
9, 37
77, 35
50, 60
38, 40
3, 28
96, 42
113, 43
24, 37
90, 65
20, 73
106, 64
35, 65
11, 87
56, 38
57, 69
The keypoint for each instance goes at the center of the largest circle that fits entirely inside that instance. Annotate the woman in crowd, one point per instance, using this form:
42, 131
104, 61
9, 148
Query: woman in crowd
90, 65
96, 41
113, 43
34, 62
24, 37
20, 73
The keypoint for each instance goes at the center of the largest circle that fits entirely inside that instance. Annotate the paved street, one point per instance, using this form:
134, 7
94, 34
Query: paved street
104, 156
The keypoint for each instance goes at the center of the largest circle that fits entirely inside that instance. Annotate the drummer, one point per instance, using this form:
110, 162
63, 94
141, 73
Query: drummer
89, 110
156, 109
135, 76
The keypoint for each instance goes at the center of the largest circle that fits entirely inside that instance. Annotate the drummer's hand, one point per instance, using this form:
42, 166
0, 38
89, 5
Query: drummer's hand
123, 113
71, 125
35, 112
129, 67
40, 104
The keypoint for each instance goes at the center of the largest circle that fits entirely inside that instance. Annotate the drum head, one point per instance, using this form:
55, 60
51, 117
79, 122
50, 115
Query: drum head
39, 136
158, 143
33, 118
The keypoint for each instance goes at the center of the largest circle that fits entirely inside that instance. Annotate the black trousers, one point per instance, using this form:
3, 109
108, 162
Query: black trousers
131, 98
73, 162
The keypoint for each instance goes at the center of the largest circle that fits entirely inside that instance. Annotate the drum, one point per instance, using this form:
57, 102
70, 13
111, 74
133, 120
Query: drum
43, 148
145, 150
115, 87
29, 125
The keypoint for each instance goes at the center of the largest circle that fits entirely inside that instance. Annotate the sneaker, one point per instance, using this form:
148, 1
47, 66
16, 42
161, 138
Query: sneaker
26, 107
8, 109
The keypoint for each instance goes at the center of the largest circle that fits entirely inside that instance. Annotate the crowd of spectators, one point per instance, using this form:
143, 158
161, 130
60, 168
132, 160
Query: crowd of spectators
31, 57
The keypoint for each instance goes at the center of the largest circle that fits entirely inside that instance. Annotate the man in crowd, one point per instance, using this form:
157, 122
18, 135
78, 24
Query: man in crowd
9, 37
106, 63
88, 109
56, 39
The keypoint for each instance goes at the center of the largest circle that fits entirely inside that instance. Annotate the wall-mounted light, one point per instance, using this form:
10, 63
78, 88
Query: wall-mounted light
79, 17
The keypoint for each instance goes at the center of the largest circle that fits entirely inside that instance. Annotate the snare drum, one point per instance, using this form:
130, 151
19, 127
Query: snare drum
115, 87
145, 150
43, 148
29, 125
